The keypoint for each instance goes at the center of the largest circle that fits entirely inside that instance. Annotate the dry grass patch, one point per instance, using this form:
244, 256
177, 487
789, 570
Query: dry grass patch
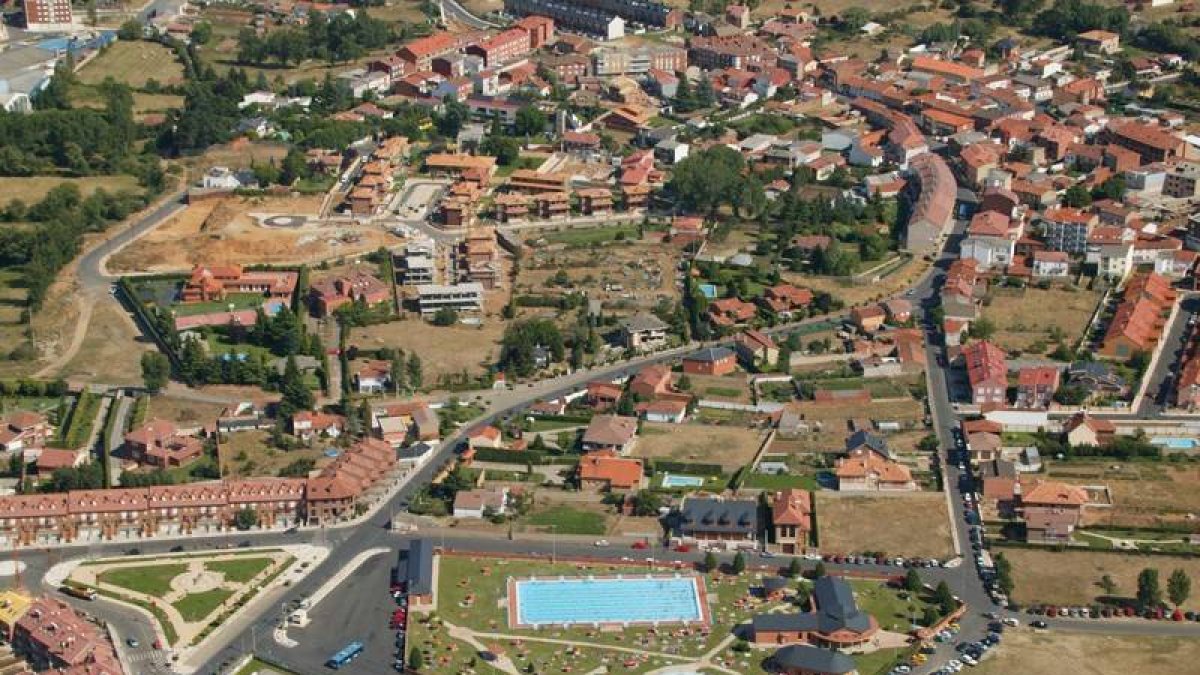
183, 411
907, 525
246, 454
731, 447
1025, 651
1143, 493
853, 293
625, 276
134, 64
1024, 318
31, 190
1071, 577
733, 388
444, 350
112, 351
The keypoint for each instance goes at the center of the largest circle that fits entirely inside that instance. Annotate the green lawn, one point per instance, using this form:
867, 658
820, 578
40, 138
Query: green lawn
196, 606
726, 392
885, 604
218, 344
81, 422
877, 662
565, 520
153, 580
240, 570
592, 235
238, 300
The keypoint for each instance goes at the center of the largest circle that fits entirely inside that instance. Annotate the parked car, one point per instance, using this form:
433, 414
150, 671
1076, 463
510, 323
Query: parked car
1039, 624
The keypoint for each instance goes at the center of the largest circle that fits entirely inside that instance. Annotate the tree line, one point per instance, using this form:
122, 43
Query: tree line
338, 39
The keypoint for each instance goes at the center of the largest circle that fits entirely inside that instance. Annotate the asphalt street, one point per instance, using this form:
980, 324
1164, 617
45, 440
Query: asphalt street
1160, 390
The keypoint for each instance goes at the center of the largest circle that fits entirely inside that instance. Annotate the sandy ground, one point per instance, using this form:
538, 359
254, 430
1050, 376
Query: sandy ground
182, 411
1024, 651
1024, 318
112, 351
643, 273
854, 294
224, 231
1143, 494
1072, 577
853, 524
731, 447
443, 349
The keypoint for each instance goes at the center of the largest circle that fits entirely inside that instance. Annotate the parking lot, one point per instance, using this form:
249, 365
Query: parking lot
358, 610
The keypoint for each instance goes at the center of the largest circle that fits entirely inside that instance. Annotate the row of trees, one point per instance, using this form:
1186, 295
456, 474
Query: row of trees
520, 344
338, 39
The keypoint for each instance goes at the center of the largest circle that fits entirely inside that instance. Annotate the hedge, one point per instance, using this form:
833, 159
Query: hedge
670, 466
522, 457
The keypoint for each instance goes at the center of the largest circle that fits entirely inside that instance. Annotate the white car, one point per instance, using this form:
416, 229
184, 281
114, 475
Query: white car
601, 543
1009, 621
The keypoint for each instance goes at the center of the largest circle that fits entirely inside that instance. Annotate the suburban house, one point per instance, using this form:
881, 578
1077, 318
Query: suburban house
24, 429
715, 361
651, 382
215, 283
869, 471
1036, 386
786, 300
480, 503
666, 410
610, 432
644, 332
756, 348
1051, 510
868, 319
791, 520
833, 620
898, 310
987, 373
718, 522
605, 471
485, 437
729, 312
1083, 429
326, 295
1138, 322
862, 441
158, 443
308, 425
373, 377
602, 395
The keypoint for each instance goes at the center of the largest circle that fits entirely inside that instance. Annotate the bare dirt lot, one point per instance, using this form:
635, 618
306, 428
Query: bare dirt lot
866, 290
907, 525
626, 277
112, 351
183, 411
1025, 651
444, 350
1072, 577
246, 454
1024, 318
225, 231
1143, 493
834, 425
731, 447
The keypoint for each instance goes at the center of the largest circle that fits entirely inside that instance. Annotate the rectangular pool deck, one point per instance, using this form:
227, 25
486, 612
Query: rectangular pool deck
614, 600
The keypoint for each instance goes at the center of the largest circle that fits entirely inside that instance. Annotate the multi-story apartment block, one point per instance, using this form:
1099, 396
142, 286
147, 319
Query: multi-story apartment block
732, 51
466, 297
603, 24
502, 48
1067, 229
1183, 181
639, 61
48, 14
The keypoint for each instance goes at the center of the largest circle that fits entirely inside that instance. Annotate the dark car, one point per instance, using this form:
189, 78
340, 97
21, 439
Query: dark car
134, 551
1039, 624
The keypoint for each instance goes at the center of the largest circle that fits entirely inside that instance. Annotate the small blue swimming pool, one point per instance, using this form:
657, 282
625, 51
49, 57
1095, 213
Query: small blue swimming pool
1174, 442
671, 480
608, 600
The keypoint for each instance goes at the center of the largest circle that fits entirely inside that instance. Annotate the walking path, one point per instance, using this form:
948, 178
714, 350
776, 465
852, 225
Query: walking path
502, 662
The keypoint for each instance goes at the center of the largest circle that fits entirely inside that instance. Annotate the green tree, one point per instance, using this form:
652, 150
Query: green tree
710, 561
1077, 196
793, 569
202, 33
944, 598
819, 570
156, 369
446, 316
912, 581
739, 563
1149, 593
982, 329
416, 659
415, 375
130, 30
1108, 585
529, 121
803, 594
930, 616
245, 518
296, 394
1179, 587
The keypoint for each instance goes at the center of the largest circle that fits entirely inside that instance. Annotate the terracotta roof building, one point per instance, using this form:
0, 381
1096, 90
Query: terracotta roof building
605, 471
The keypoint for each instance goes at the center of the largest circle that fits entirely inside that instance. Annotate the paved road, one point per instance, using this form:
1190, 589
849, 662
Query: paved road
116, 435
1160, 390
451, 10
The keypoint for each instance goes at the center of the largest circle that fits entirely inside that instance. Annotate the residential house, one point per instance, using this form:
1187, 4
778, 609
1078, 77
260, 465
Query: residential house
308, 425
717, 522
898, 310
23, 430
717, 361
1051, 264
480, 503
610, 432
669, 411
791, 520
644, 332
329, 294
160, 444
485, 437
373, 377
868, 471
1138, 322
651, 382
756, 349
603, 471
833, 621
785, 301
602, 395
1083, 429
987, 373
729, 312
1036, 386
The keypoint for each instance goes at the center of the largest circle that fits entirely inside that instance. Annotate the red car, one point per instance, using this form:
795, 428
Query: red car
640, 545
683, 548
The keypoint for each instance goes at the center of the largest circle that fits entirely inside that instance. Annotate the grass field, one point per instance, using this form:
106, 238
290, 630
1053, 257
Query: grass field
133, 63
238, 300
853, 293
1072, 577
196, 606
731, 388
32, 189
154, 580
565, 520
1024, 318
729, 446
185, 412
767, 481
592, 235
864, 523
246, 454
1025, 651
239, 570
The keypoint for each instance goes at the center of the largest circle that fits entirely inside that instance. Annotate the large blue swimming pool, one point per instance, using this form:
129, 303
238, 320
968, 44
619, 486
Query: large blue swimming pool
1174, 443
619, 600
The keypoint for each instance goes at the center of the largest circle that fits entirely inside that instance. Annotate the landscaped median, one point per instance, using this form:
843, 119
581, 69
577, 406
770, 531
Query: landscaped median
190, 595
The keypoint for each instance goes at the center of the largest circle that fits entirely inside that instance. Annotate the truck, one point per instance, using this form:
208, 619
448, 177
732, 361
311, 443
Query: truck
81, 592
